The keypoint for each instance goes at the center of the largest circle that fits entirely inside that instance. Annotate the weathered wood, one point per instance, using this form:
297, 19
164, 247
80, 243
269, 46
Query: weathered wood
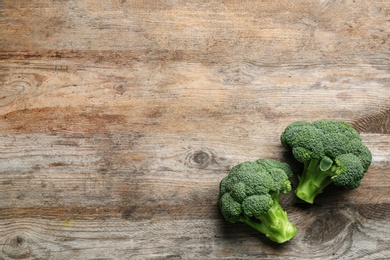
118, 119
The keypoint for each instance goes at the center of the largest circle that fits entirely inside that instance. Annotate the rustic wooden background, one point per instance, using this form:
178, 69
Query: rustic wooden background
119, 118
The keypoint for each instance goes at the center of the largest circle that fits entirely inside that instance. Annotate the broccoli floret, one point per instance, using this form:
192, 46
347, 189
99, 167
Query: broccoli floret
331, 152
250, 194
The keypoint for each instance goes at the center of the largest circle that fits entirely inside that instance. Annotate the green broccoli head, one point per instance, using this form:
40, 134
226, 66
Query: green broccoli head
250, 194
348, 171
331, 151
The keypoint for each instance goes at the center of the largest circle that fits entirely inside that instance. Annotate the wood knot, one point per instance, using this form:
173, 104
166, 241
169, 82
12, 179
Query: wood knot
200, 159
376, 123
21, 246
16, 247
326, 227
14, 86
120, 88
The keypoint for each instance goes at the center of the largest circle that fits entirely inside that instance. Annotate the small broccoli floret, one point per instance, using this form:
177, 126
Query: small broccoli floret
250, 194
331, 152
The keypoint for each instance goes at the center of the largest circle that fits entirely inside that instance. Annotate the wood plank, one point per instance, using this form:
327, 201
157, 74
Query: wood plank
118, 119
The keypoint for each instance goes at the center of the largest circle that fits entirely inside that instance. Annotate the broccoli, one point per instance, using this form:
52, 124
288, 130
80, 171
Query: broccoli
331, 152
250, 194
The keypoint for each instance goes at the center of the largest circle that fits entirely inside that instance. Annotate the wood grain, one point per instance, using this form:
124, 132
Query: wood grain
119, 118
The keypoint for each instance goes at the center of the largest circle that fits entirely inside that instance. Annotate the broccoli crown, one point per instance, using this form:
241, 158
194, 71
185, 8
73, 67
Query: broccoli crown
330, 139
248, 187
250, 194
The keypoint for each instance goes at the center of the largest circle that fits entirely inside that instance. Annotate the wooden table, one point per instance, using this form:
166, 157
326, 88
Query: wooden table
119, 118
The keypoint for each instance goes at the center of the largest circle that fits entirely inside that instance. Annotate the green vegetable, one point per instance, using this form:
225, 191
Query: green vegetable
331, 152
250, 194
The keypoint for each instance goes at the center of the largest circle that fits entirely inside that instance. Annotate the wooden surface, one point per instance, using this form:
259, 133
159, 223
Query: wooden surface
118, 119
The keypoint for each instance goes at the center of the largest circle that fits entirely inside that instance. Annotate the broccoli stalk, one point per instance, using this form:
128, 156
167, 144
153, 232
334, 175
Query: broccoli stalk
274, 223
345, 170
313, 180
